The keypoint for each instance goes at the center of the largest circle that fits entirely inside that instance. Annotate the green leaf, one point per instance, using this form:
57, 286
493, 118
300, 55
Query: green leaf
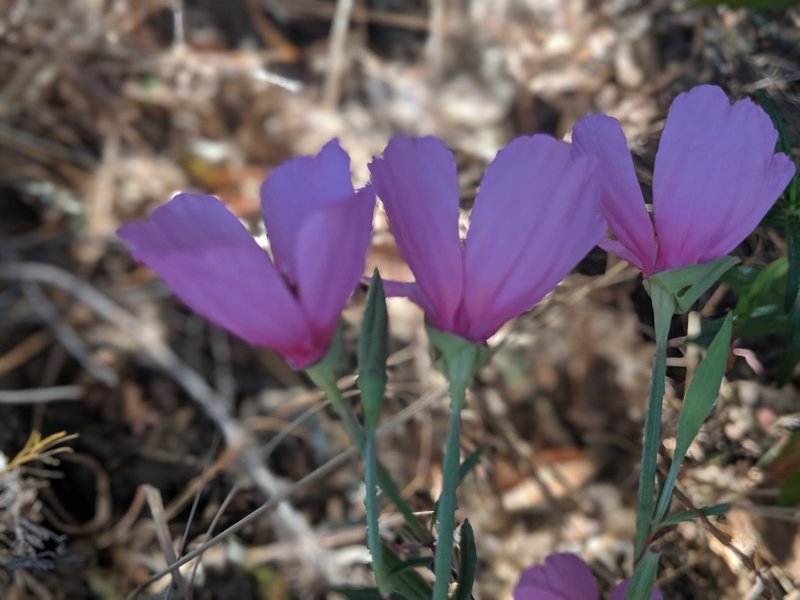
404, 580
765, 286
644, 577
714, 510
740, 278
468, 563
687, 284
372, 353
697, 405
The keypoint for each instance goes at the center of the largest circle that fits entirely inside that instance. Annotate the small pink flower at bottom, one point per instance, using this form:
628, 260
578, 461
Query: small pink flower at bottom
565, 577
319, 229
716, 175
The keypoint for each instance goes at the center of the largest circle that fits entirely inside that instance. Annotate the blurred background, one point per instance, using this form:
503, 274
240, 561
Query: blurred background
173, 430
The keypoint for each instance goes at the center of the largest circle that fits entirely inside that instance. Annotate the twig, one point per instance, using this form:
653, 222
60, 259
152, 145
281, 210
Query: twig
66, 335
714, 530
316, 475
25, 350
435, 44
156, 504
336, 53
217, 516
361, 15
286, 521
58, 393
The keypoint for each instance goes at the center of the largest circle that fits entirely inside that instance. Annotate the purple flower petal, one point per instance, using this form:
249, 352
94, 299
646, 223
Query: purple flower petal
716, 176
622, 201
207, 257
618, 593
331, 247
562, 577
536, 215
296, 189
416, 181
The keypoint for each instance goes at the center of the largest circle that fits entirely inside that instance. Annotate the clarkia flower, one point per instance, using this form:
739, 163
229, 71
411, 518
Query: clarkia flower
535, 216
565, 577
716, 175
319, 229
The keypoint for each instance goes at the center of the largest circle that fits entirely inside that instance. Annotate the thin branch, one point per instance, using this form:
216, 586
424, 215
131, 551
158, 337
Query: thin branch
58, 393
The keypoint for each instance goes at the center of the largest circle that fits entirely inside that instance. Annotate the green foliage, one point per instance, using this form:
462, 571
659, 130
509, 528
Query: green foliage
687, 284
713, 510
697, 405
644, 577
786, 216
468, 564
372, 353
404, 580
760, 309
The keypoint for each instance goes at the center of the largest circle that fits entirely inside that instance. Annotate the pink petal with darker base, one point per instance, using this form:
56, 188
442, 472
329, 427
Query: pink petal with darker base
207, 257
535, 217
716, 175
319, 229
416, 181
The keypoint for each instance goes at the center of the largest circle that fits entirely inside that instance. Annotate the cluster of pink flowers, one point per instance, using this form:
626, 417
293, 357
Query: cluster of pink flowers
541, 206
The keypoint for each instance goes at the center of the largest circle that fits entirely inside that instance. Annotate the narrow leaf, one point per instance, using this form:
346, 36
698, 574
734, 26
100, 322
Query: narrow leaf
714, 510
468, 563
687, 284
372, 350
404, 580
697, 405
644, 577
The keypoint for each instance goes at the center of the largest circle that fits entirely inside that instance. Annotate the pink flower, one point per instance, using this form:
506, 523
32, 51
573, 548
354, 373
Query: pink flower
716, 176
319, 230
565, 577
536, 215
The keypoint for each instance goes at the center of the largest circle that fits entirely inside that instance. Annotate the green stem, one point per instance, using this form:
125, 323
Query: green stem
447, 500
371, 504
459, 370
663, 309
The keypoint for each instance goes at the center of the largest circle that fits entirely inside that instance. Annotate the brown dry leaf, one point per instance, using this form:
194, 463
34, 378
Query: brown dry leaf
562, 471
